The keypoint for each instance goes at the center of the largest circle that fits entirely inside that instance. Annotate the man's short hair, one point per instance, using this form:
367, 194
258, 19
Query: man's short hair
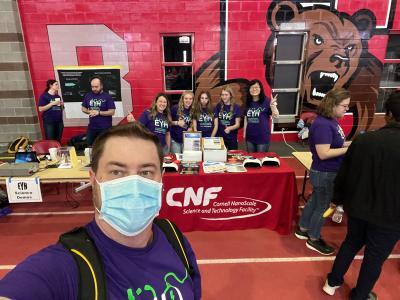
96, 77
130, 130
392, 105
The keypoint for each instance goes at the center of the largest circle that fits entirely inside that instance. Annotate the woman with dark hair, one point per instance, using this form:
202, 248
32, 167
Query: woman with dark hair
204, 120
157, 119
51, 107
328, 146
227, 119
257, 116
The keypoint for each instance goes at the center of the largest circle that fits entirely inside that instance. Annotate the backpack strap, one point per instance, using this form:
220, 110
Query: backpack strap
175, 238
92, 279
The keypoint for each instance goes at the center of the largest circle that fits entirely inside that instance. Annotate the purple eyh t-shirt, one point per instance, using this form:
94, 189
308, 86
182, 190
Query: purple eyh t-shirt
326, 131
145, 273
159, 125
101, 102
227, 118
177, 131
258, 118
205, 123
54, 114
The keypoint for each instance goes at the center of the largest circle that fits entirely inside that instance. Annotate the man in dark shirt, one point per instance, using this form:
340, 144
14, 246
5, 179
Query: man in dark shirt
367, 185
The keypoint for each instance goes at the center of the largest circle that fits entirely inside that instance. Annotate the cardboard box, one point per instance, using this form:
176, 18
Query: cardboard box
216, 151
214, 154
192, 156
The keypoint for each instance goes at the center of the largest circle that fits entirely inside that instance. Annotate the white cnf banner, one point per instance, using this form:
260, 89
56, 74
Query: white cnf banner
21, 190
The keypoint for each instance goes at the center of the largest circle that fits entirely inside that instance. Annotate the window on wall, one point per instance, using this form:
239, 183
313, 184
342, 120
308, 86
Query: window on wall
390, 80
289, 60
177, 63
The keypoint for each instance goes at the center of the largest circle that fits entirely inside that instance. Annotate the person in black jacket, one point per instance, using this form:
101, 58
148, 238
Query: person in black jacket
368, 186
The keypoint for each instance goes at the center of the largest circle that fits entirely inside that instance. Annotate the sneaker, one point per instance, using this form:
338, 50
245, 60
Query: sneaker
320, 246
302, 235
372, 296
330, 290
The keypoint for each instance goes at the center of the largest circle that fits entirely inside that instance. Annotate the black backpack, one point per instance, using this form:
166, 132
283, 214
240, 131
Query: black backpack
92, 278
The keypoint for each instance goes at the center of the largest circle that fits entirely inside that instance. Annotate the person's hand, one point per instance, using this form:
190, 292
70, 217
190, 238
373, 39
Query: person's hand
130, 118
227, 130
181, 123
274, 100
56, 102
93, 113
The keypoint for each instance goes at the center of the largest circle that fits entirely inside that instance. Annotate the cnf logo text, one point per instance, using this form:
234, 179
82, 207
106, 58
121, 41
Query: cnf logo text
199, 197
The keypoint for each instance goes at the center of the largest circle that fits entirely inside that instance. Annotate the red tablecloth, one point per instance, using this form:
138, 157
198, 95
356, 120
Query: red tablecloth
262, 197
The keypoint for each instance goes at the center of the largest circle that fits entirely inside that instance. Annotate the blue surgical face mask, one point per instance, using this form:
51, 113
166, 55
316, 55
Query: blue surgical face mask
129, 204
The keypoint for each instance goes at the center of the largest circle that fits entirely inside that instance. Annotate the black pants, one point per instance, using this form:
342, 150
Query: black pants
231, 145
379, 243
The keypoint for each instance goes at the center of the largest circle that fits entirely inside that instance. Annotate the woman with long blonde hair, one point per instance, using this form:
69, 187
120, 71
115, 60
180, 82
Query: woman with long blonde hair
182, 115
227, 119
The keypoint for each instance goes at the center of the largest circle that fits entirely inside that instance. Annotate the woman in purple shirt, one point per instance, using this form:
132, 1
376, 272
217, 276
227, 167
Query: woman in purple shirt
51, 107
328, 146
204, 120
257, 116
182, 116
157, 119
227, 119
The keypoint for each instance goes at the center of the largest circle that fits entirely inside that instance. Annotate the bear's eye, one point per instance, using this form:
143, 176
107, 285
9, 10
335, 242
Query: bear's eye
318, 40
350, 47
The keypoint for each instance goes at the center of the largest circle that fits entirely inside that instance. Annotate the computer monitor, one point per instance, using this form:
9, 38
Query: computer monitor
25, 157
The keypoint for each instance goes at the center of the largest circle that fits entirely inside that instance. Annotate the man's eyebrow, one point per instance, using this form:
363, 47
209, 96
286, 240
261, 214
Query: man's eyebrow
116, 163
119, 164
148, 165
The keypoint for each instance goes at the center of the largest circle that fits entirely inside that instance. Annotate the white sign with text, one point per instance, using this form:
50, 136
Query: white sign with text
21, 190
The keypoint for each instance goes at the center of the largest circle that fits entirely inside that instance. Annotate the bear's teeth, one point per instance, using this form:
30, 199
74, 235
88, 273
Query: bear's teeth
317, 94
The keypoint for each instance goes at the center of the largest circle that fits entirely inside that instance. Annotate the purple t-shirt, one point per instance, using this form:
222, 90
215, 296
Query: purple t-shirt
54, 114
205, 123
326, 131
101, 102
227, 118
159, 125
154, 270
177, 131
258, 118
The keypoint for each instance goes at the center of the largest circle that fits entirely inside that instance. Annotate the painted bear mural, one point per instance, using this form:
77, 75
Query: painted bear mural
336, 56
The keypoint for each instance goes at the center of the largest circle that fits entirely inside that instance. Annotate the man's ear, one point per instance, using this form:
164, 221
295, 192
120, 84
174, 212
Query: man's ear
92, 177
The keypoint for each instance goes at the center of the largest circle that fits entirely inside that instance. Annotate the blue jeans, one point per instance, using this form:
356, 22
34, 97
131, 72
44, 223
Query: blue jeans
176, 147
251, 147
312, 219
165, 149
53, 130
379, 243
92, 134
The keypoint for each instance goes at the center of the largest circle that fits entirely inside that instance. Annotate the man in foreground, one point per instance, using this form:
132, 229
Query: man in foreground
139, 262
367, 184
